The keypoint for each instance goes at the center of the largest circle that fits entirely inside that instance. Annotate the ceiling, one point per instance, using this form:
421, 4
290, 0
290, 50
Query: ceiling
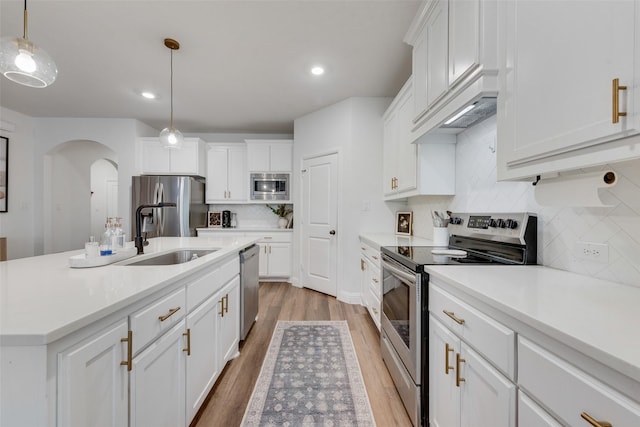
243, 66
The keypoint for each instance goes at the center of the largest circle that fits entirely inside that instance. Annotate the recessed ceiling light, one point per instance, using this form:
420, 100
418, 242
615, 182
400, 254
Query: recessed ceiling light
148, 95
317, 70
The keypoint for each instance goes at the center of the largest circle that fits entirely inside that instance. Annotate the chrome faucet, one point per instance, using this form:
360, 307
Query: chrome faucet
138, 239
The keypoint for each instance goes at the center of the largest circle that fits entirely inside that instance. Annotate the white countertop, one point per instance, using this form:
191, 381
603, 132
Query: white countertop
377, 240
596, 317
42, 299
247, 229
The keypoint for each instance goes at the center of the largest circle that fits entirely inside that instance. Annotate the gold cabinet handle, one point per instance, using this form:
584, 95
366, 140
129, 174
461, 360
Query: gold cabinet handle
447, 349
171, 312
362, 264
129, 340
615, 100
226, 303
188, 335
375, 310
221, 312
459, 360
374, 257
593, 422
364, 249
376, 280
452, 315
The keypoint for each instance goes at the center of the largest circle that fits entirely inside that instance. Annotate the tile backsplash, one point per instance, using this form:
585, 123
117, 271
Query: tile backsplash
559, 229
251, 216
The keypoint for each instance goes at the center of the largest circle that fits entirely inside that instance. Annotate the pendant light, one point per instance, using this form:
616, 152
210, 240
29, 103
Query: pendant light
171, 137
25, 63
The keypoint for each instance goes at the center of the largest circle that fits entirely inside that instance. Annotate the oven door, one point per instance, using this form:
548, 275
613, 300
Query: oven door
401, 313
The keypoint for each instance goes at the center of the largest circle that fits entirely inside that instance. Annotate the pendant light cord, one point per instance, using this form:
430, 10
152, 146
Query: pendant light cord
171, 124
24, 28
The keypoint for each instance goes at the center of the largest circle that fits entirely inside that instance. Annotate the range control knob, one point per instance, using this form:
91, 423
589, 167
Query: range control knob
500, 223
512, 224
455, 220
493, 223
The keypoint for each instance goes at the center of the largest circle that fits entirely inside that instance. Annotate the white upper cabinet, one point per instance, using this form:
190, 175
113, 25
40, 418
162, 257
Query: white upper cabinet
558, 102
409, 169
269, 156
454, 58
227, 173
155, 159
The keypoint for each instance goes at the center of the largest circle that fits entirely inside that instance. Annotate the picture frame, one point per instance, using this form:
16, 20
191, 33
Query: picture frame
4, 173
214, 219
404, 223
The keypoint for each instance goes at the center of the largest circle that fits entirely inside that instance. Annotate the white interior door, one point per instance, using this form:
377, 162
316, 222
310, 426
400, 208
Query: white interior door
319, 223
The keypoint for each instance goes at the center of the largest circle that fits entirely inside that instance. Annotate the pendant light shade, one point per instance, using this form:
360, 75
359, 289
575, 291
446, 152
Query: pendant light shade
171, 137
25, 63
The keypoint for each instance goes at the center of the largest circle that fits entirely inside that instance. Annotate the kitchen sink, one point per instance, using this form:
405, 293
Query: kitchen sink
170, 258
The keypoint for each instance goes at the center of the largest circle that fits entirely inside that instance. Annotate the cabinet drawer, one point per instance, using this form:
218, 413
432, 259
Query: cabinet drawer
374, 284
283, 237
569, 392
492, 339
373, 305
372, 254
157, 317
205, 286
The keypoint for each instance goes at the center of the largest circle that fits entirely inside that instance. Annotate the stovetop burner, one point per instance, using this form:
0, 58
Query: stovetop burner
494, 239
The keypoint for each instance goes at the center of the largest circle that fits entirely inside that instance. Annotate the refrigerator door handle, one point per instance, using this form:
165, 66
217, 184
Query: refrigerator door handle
158, 211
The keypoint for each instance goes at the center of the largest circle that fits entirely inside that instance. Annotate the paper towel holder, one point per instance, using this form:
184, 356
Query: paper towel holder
608, 178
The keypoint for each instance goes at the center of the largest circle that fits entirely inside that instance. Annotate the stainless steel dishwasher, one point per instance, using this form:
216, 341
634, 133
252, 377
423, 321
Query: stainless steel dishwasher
248, 289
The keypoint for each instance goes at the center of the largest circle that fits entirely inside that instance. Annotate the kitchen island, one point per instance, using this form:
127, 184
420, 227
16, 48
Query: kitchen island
71, 339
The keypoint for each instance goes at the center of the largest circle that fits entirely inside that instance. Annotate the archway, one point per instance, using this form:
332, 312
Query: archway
68, 187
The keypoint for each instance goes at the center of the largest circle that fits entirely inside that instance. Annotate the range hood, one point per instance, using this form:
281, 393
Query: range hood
472, 114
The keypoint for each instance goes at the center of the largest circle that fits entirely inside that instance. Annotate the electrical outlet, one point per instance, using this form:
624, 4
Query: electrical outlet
595, 252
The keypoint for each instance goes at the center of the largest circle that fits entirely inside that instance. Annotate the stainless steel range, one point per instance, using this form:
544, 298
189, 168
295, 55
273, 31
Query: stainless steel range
475, 239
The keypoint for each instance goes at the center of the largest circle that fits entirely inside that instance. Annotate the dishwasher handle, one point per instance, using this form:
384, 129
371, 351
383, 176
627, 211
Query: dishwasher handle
249, 253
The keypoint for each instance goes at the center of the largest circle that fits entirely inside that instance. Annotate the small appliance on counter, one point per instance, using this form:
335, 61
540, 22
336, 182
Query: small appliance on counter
474, 239
226, 219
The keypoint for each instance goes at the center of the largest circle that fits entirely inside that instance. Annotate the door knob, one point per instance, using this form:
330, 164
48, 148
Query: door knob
332, 232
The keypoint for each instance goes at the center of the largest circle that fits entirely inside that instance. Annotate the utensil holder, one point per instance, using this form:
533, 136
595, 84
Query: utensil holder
440, 236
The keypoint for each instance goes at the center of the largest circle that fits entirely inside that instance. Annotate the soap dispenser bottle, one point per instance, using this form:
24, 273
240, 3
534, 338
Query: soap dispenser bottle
106, 242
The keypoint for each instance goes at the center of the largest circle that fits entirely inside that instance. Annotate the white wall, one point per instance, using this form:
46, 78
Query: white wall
17, 224
353, 128
559, 228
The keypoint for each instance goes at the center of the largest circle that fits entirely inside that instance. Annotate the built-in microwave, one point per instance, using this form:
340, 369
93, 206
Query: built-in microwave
269, 186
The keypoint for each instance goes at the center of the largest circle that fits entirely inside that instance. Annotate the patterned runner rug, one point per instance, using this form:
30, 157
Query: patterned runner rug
310, 377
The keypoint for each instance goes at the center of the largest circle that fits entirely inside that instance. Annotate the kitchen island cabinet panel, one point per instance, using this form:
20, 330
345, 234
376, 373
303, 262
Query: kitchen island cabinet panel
157, 382
555, 112
203, 366
92, 381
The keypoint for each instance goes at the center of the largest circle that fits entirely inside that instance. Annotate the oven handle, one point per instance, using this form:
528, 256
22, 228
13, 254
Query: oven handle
401, 273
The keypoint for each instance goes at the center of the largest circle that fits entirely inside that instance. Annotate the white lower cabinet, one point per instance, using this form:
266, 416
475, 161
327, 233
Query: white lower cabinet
157, 381
471, 365
464, 388
371, 282
93, 385
530, 414
156, 365
229, 321
203, 366
574, 396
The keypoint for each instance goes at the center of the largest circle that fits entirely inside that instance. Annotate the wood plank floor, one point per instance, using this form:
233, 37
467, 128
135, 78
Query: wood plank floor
281, 301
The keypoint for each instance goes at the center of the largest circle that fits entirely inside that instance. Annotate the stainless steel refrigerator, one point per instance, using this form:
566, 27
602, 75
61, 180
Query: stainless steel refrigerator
181, 221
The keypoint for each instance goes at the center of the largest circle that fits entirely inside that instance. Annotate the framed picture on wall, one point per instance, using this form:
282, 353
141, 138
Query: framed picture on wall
4, 172
404, 223
214, 219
